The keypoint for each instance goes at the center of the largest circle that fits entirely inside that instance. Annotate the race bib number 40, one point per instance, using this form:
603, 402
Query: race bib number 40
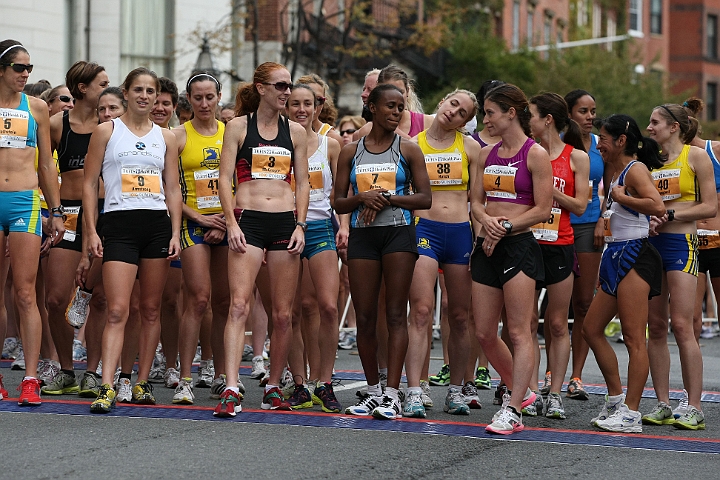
667, 183
376, 176
499, 181
444, 168
13, 128
272, 163
140, 182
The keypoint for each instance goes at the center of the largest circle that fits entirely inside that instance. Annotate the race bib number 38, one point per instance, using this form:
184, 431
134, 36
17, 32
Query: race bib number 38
206, 189
444, 168
272, 163
376, 176
499, 181
13, 128
140, 182
667, 183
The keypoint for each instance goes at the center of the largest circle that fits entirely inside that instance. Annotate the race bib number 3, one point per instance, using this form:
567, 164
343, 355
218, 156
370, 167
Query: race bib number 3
374, 177
499, 181
548, 231
667, 183
13, 128
272, 163
206, 189
140, 182
316, 182
444, 168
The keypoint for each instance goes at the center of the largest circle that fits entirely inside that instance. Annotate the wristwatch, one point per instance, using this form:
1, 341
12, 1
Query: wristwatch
507, 226
302, 225
386, 195
60, 211
671, 215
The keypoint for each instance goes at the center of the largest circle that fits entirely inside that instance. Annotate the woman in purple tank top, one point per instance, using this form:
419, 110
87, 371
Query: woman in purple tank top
510, 191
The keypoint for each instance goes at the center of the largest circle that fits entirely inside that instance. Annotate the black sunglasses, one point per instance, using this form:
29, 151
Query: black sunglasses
19, 67
349, 131
64, 98
280, 86
320, 100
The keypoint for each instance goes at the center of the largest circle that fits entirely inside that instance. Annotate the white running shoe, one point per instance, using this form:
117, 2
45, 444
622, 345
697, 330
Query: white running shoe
172, 378
198, 354
389, 409
19, 362
184, 392
682, 407
426, 400
9, 346
124, 390
78, 309
608, 409
258, 367
505, 423
623, 420
206, 373
365, 405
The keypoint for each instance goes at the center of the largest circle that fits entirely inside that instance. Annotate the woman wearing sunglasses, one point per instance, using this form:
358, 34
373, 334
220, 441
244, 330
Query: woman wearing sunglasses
263, 220
349, 125
25, 128
58, 99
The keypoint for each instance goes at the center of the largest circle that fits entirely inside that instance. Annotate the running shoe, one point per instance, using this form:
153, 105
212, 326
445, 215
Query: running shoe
273, 400
3, 392
248, 353
171, 378
365, 405
623, 420
426, 400
105, 400
265, 379
326, 394
184, 392
692, 419
218, 386
258, 368
89, 385
364, 390
157, 370
608, 409
142, 393
348, 342
547, 382
531, 410
206, 373
300, 397
389, 409
576, 390
124, 390
469, 391
682, 407
198, 354
78, 309
455, 401
505, 423
414, 407
47, 369
529, 400
662, 414
554, 406
442, 379
19, 362
500, 391
29, 393
62, 384
79, 352
229, 405
9, 346
482, 378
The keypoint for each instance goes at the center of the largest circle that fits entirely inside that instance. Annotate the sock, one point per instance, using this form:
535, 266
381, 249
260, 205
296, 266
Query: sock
125, 375
29, 378
392, 393
86, 290
269, 387
417, 390
375, 390
234, 389
383, 371
459, 387
615, 398
69, 372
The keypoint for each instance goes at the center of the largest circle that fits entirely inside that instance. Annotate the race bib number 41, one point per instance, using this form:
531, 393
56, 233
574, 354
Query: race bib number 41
206, 189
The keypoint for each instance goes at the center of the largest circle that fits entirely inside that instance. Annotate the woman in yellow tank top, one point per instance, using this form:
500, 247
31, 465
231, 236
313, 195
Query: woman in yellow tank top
686, 185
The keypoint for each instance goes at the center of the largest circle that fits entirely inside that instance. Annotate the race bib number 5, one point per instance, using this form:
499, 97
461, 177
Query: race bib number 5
499, 181
376, 176
13, 128
271, 163
140, 182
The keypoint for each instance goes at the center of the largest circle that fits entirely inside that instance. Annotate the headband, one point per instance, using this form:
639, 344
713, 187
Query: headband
187, 86
10, 48
671, 114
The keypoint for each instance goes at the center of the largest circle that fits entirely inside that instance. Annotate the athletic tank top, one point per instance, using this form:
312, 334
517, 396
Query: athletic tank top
260, 159
557, 230
388, 170
508, 179
476, 137
132, 169
72, 147
324, 129
597, 169
417, 123
715, 162
321, 182
448, 168
622, 223
199, 165
676, 181
18, 128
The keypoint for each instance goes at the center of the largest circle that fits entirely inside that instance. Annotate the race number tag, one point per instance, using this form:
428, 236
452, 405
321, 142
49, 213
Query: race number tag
667, 183
13, 128
444, 168
140, 182
590, 192
548, 231
606, 226
376, 176
708, 239
316, 182
271, 163
70, 220
499, 181
206, 189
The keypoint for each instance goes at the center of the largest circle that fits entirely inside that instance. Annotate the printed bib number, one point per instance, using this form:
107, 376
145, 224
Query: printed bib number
316, 182
548, 231
499, 181
590, 192
206, 189
374, 177
606, 225
444, 168
667, 183
70, 221
272, 163
13, 128
140, 182
708, 239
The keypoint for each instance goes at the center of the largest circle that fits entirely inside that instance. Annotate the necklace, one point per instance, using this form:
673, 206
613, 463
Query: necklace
440, 140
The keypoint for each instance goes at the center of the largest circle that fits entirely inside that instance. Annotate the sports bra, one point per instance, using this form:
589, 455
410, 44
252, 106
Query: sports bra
715, 162
447, 168
18, 128
261, 159
199, 165
622, 223
72, 147
508, 179
676, 181
417, 123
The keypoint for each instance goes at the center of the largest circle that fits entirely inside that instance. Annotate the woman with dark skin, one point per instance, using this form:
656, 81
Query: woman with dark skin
382, 239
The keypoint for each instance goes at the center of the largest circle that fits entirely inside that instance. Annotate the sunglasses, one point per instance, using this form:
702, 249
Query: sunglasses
64, 98
280, 86
19, 67
320, 100
349, 131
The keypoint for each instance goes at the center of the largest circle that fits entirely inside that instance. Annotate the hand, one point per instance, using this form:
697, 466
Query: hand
95, 245
488, 246
297, 241
373, 199
599, 233
236, 239
212, 221
174, 249
82, 270
367, 216
618, 192
655, 223
45, 247
342, 253
214, 236
341, 238
493, 227
57, 229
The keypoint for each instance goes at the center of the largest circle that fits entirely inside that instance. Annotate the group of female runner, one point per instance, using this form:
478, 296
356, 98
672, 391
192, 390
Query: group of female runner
277, 190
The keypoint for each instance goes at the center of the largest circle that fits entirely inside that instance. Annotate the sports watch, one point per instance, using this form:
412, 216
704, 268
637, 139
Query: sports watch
507, 226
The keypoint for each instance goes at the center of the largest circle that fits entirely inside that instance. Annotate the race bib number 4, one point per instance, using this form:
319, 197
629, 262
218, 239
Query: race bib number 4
140, 182
667, 183
206, 189
376, 176
13, 128
444, 168
548, 231
499, 181
272, 163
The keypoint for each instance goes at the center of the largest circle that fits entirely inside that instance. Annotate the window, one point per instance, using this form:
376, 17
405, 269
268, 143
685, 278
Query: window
516, 26
547, 29
711, 101
656, 16
636, 15
559, 32
582, 12
146, 30
611, 31
596, 20
530, 31
712, 39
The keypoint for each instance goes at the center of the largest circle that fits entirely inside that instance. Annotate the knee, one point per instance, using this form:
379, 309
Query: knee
329, 313
458, 320
485, 338
198, 303
54, 300
421, 315
99, 301
282, 320
557, 329
150, 313
397, 319
658, 330
26, 299
117, 314
239, 309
